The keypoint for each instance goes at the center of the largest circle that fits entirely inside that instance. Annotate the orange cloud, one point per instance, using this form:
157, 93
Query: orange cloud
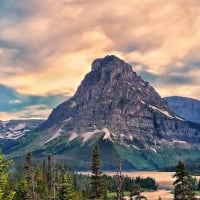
30, 112
52, 45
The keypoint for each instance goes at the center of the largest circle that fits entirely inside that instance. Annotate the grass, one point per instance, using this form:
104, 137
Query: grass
113, 195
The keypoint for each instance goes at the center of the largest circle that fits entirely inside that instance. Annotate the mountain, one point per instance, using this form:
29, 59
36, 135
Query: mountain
11, 131
15, 129
188, 108
114, 108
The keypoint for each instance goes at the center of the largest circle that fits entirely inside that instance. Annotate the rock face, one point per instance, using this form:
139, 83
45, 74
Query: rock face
113, 97
185, 107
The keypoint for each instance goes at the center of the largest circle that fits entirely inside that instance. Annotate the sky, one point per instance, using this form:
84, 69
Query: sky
46, 48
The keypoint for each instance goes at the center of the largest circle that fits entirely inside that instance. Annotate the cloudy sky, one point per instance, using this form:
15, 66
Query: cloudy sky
46, 48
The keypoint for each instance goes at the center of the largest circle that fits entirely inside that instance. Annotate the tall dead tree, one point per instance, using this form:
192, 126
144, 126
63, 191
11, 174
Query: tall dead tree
119, 179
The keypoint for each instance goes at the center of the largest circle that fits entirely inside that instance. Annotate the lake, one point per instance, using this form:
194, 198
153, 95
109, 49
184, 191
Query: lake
164, 179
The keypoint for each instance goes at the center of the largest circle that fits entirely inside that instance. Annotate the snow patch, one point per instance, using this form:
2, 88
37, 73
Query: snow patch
180, 118
154, 150
72, 136
107, 134
15, 137
73, 104
131, 137
136, 147
67, 120
86, 136
2, 136
164, 112
179, 142
19, 126
4, 123
57, 134
133, 88
141, 83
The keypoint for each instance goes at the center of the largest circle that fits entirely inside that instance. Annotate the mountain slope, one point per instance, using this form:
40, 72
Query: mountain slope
114, 107
188, 108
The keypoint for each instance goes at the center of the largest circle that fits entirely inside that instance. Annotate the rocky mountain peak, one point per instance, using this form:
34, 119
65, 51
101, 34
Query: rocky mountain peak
112, 79
113, 97
109, 62
109, 69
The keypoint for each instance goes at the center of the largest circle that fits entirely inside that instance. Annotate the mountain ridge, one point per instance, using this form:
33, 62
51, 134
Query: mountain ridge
114, 106
186, 107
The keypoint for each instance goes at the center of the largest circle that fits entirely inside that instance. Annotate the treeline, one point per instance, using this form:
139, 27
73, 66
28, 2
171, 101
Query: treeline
51, 181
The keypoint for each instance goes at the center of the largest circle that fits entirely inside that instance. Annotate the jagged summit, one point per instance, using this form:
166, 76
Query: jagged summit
108, 69
109, 61
114, 97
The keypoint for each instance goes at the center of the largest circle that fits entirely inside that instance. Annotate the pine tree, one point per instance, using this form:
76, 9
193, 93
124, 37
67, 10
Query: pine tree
135, 190
96, 177
21, 190
198, 185
66, 191
49, 173
182, 190
119, 180
29, 170
5, 192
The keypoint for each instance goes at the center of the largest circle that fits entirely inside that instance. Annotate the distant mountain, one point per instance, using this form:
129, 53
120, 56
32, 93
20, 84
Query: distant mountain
15, 129
114, 108
186, 107
12, 130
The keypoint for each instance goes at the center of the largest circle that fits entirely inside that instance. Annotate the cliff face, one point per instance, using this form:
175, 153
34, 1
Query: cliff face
185, 107
113, 97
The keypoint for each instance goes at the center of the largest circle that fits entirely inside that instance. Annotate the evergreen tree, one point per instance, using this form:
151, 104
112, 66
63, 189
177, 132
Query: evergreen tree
182, 190
66, 191
40, 184
21, 190
136, 191
29, 176
49, 173
5, 192
198, 185
96, 177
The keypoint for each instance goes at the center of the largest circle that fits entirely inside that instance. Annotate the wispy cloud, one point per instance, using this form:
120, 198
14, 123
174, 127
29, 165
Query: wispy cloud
47, 46
14, 104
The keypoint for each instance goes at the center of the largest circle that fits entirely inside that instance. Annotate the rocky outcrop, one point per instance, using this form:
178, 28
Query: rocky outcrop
113, 96
186, 107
